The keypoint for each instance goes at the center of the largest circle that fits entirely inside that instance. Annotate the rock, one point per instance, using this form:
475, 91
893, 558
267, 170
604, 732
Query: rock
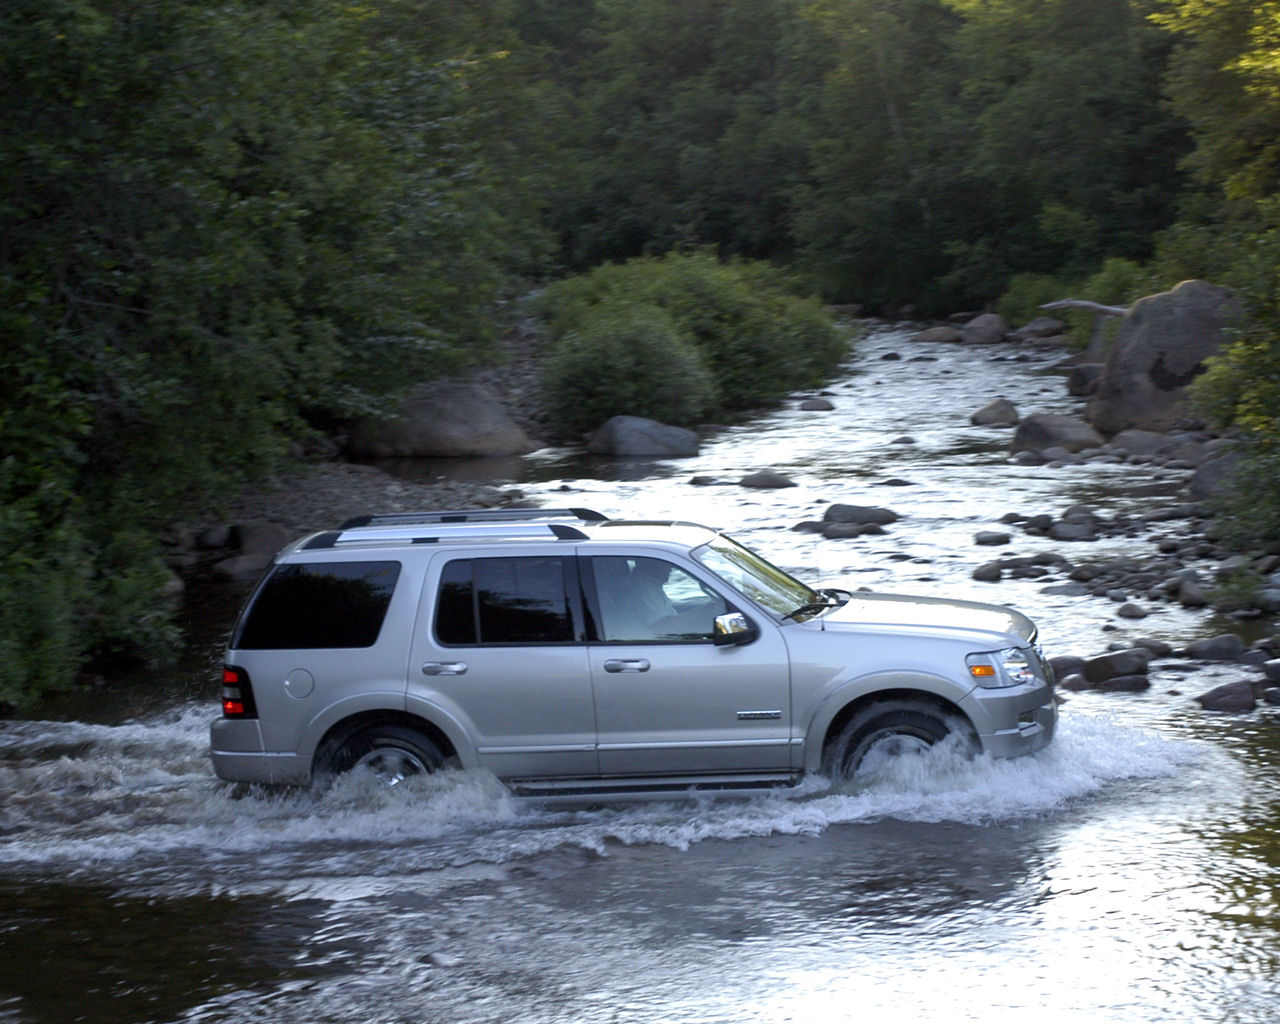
1067, 665
816, 405
1226, 647
635, 436
991, 538
1124, 684
766, 480
1215, 476
998, 413
1272, 670
1158, 648
986, 329
860, 514
1234, 696
1191, 595
988, 572
1045, 430
1129, 610
1072, 531
842, 531
1083, 379
259, 537
1159, 349
1039, 328
1271, 694
442, 419
241, 567
939, 334
1119, 663
217, 536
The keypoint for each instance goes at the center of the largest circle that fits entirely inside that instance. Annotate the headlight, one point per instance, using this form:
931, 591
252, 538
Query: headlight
993, 670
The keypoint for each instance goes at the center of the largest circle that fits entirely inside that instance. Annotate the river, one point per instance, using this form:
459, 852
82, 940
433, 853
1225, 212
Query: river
1129, 872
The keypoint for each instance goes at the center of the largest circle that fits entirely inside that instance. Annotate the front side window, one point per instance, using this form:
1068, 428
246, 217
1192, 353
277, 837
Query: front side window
318, 605
651, 600
503, 601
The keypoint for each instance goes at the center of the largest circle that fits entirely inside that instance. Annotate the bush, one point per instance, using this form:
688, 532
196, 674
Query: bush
630, 362
756, 336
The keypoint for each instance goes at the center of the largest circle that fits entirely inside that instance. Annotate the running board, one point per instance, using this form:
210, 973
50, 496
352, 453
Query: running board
657, 788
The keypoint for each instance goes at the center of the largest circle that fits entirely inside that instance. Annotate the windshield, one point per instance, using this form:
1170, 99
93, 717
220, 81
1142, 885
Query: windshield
753, 577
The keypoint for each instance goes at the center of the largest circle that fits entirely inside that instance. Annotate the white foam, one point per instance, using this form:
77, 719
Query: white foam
145, 791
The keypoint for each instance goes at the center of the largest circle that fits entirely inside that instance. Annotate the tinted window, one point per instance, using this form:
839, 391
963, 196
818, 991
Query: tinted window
329, 604
503, 601
650, 600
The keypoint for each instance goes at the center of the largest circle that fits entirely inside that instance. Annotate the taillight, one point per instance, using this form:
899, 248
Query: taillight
237, 694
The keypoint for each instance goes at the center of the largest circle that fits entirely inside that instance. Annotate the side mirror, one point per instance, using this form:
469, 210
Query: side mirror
734, 628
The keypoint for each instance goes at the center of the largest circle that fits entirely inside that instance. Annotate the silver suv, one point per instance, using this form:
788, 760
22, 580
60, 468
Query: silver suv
570, 654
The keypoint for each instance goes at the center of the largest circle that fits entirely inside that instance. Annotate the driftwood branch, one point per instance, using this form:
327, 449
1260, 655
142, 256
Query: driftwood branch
1097, 349
1093, 307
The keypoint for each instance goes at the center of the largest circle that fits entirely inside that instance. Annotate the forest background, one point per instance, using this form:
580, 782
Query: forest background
228, 228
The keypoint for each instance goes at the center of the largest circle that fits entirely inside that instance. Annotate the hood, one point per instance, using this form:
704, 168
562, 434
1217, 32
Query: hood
933, 614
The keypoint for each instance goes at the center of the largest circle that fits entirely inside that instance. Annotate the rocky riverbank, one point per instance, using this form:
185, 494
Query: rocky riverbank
1175, 560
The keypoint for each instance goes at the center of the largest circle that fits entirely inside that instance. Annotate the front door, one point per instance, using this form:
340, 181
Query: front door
668, 700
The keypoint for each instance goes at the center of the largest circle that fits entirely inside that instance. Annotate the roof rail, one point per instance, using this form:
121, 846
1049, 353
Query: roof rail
428, 533
473, 515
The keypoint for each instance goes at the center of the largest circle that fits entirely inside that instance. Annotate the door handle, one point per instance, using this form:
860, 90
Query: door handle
444, 668
627, 665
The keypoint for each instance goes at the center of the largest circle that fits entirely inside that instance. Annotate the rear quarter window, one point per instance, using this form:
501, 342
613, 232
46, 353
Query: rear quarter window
321, 604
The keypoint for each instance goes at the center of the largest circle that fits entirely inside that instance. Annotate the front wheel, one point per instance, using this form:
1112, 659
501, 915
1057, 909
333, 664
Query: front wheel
890, 729
391, 753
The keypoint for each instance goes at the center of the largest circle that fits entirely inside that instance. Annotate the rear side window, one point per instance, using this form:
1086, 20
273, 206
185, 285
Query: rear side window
323, 604
503, 601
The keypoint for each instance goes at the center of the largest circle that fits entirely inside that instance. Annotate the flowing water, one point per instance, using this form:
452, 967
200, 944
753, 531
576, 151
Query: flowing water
1129, 872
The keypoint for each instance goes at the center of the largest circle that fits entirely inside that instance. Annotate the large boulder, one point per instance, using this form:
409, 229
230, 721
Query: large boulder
986, 329
1159, 349
1045, 430
637, 437
443, 418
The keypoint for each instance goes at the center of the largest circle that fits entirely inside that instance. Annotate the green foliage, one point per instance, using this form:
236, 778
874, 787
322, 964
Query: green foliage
222, 225
755, 336
626, 361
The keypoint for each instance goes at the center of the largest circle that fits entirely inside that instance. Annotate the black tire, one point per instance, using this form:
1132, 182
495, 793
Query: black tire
893, 728
392, 753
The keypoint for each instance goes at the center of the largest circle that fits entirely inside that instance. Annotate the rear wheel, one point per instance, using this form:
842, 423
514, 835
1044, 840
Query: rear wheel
881, 731
391, 753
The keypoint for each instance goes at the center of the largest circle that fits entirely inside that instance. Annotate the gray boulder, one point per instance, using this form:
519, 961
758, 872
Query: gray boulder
998, 413
985, 329
1159, 349
1235, 696
1083, 379
1215, 476
637, 437
443, 419
1044, 430
1132, 662
943, 334
816, 405
766, 479
1227, 647
860, 514
1039, 328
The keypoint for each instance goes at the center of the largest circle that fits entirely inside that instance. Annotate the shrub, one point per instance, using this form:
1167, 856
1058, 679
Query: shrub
757, 337
631, 362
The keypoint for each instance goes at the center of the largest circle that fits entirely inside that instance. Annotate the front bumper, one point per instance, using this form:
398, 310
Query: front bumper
239, 756
1014, 721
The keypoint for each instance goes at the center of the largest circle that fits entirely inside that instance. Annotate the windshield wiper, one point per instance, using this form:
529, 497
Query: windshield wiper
831, 599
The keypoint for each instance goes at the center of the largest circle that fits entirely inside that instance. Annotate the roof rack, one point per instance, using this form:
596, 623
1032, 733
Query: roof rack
406, 528
473, 515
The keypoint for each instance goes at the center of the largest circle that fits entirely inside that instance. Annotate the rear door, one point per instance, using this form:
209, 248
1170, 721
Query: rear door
499, 647
668, 700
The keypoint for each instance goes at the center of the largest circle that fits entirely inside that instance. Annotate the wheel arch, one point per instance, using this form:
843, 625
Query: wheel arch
842, 706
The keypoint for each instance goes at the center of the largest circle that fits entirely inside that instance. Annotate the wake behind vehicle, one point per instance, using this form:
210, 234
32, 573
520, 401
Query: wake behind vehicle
570, 654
